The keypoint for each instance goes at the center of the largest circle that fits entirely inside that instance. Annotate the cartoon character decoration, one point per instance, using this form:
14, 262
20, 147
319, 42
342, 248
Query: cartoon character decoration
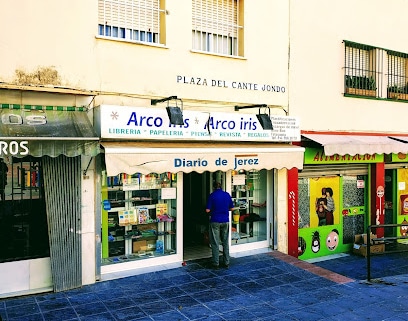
316, 242
404, 228
332, 240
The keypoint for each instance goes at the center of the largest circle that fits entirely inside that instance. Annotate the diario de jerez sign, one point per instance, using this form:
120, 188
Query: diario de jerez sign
131, 123
315, 156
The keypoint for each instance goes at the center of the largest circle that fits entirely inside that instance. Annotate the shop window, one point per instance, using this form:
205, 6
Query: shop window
139, 216
217, 26
304, 203
132, 20
319, 201
354, 206
249, 195
23, 219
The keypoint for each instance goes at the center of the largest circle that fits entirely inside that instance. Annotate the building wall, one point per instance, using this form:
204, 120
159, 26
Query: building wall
53, 44
61, 40
316, 86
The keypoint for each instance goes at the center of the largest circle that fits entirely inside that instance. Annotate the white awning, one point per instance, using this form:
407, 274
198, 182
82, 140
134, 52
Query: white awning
160, 157
358, 144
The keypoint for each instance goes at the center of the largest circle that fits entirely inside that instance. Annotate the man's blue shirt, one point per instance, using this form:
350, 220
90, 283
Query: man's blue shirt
219, 203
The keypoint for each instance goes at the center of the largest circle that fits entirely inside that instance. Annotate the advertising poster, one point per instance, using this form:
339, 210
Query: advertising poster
324, 201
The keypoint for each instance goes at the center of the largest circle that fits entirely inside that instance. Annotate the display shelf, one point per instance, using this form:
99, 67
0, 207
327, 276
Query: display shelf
143, 219
248, 194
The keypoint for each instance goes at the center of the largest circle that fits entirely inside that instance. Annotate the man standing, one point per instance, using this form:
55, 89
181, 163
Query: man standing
218, 205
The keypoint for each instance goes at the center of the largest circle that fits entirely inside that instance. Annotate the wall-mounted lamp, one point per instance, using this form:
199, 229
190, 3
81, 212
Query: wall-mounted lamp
174, 112
264, 119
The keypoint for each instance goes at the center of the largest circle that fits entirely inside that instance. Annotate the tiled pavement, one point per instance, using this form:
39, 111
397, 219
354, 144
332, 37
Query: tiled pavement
269, 286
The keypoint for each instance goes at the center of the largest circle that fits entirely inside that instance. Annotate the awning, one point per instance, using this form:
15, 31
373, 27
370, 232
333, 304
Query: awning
358, 144
159, 157
46, 130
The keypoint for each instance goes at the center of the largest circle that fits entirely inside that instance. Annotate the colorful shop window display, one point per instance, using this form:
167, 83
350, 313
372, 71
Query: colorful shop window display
331, 212
402, 218
319, 218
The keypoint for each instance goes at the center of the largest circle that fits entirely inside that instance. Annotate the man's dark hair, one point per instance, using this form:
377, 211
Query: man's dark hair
217, 185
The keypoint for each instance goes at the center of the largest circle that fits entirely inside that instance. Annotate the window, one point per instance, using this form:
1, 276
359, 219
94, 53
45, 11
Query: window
249, 193
139, 216
375, 72
397, 75
132, 20
361, 75
216, 26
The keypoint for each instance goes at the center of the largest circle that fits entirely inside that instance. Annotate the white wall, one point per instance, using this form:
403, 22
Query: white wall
23, 277
63, 37
316, 85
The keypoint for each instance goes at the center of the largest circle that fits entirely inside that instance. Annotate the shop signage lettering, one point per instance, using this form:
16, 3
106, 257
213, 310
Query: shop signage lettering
182, 162
148, 121
317, 156
220, 83
13, 148
16, 119
321, 157
153, 123
231, 124
213, 123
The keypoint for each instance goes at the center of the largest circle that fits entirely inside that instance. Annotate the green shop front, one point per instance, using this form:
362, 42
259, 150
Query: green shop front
366, 188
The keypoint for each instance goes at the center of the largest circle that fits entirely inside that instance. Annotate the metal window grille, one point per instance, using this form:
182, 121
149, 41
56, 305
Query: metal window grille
134, 20
397, 75
23, 219
215, 26
362, 70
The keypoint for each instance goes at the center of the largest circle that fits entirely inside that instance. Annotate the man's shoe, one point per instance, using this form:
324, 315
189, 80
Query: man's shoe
213, 266
225, 266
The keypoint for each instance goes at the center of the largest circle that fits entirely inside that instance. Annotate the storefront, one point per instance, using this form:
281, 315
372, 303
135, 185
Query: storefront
42, 151
348, 182
156, 177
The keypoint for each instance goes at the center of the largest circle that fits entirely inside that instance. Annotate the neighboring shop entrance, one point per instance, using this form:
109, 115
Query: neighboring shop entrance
23, 219
333, 232
389, 193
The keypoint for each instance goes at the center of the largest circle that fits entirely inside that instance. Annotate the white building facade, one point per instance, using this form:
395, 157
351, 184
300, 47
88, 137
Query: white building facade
137, 179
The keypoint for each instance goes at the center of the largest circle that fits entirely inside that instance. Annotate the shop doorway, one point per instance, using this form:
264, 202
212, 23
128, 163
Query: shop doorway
390, 200
195, 219
197, 187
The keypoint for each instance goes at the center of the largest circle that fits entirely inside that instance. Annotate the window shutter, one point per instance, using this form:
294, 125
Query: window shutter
357, 63
140, 15
397, 66
216, 16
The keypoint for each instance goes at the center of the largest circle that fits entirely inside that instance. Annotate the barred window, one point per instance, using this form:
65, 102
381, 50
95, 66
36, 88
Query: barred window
133, 20
397, 75
216, 26
360, 70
